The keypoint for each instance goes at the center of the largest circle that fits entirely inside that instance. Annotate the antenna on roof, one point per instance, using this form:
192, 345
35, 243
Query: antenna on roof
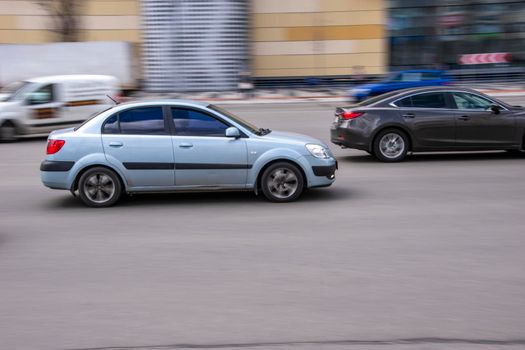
112, 99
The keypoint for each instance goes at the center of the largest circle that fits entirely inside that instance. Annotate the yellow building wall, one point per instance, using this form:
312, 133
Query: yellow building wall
26, 22
317, 37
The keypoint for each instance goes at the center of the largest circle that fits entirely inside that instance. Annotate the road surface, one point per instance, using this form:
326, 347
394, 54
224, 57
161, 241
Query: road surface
424, 254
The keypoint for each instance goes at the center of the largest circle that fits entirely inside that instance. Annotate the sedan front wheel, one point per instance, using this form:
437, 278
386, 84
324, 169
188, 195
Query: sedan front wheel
282, 182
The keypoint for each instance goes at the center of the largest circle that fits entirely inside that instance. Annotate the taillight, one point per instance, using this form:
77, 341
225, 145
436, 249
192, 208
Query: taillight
351, 115
53, 146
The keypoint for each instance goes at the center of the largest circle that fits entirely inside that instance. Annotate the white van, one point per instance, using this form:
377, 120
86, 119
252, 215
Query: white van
40, 105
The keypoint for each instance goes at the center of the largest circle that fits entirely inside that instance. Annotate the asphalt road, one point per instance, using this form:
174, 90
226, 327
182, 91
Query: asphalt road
425, 254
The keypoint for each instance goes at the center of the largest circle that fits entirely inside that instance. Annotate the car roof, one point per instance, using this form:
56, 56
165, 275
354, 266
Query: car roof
143, 103
405, 92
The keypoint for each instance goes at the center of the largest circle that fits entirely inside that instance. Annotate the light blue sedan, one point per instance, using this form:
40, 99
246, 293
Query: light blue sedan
170, 146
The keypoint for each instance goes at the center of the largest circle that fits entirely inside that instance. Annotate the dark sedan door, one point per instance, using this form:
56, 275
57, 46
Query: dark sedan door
479, 127
430, 120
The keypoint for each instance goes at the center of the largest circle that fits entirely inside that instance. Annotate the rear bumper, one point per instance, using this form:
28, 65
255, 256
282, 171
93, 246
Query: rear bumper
55, 165
55, 174
350, 138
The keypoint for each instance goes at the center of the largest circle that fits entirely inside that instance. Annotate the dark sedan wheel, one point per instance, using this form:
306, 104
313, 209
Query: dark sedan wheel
99, 187
282, 182
391, 145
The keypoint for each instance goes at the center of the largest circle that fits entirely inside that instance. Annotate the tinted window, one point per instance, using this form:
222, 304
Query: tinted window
193, 123
405, 102
431, 100
111, 125
469, 101
145, 120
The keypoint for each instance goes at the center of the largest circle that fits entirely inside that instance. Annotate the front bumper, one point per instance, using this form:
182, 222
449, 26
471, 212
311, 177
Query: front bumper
325, 170
319, 172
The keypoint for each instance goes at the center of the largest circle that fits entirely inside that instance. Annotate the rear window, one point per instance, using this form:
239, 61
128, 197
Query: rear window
144, 120
136, 121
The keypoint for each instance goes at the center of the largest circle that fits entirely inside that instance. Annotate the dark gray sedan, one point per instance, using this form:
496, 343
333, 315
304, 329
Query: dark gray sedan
429, 119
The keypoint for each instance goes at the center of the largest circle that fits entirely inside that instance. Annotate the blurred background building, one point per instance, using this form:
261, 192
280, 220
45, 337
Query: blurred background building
207, 45
437, 32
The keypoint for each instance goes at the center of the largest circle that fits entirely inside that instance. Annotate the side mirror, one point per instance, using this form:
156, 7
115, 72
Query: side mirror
495, 109
233, 132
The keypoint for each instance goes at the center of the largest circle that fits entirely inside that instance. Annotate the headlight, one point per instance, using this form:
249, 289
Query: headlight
317, 151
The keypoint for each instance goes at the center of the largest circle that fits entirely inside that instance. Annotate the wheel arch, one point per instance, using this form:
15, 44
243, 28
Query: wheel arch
394, 127
74, 185
258, 179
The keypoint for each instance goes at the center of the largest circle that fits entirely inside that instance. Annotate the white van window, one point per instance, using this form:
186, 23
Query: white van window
43, 95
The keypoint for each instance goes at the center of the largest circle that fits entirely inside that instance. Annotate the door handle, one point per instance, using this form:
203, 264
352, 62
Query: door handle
409, 115
464, 117
116, 144
185, 145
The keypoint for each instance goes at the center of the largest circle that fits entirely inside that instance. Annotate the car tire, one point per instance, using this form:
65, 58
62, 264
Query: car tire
391, 145
99, 187
282, 182
8, 132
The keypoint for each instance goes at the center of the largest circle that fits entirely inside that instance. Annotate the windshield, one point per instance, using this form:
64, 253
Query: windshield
13, 90
252, 128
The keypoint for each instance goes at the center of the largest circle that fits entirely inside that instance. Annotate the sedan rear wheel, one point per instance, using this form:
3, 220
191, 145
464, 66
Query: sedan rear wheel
391, 145
282, 182
99, 187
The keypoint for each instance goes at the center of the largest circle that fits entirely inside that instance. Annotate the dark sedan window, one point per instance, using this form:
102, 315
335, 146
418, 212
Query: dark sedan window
429, 100
465, 100
142, 121
405, 102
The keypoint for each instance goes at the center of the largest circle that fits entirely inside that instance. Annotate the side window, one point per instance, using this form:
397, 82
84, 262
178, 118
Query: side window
189, 122
469, 101
43, 95
405, 102
111, 125
430, 100
142, 121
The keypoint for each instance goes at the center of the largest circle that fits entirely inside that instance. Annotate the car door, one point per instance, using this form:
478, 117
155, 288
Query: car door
45, 109
477, 126
204, 156
138, 140
429, 118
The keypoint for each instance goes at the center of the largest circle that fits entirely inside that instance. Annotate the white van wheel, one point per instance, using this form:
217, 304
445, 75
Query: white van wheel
7, 132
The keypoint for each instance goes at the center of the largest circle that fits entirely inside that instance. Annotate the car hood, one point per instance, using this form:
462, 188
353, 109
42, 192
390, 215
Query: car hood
286, 137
